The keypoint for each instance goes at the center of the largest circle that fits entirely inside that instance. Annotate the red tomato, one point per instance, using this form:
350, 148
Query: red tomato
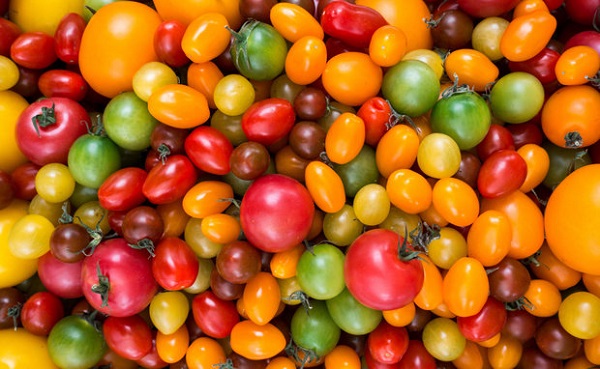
375, 274
487, 8
174, 265
417, 357
353, 24
376, 113
503, 172
167, 43
34, 50
276, 213
67, 38
497, 138
209, 149
9, 32
269, 120
41, 312
170, 181
122, 190
486, 323
60, 278
541, 65
109, 284
214, 316
63, 83
387, 344
129, 337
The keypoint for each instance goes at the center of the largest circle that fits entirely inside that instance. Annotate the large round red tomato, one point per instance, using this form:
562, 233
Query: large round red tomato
375, 273
276, 212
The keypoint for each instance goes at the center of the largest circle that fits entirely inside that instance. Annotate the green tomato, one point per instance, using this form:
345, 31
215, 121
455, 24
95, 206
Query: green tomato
359, 171
92, 158
314, 329
75, 343
92, 6
563, 162
352, 316
258, 51
127, 121
342, 227
320, 271
517, 97
411, 86
443, 340
462, 115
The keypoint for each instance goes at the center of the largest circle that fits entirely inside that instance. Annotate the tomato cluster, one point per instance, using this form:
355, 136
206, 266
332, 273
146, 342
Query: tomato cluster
291, 184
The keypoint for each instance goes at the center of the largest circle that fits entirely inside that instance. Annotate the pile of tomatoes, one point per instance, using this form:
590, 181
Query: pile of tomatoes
375, 184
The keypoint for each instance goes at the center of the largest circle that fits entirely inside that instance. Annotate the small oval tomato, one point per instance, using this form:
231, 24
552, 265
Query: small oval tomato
574, 314
465, 287
204, 352
388, 45
261, 298
443, 339
438, 155
430, 295
213, 315
33, 50
150, 77
54, 182
169, 181
167, 43
345, 138
409, 191
527, 35
175, 265
129, 337
29, 237
306, 60
544, 298
577, 65
168, 311
63, 83
172, 347
256, 342
325, 186
502, 172
550, 268
456, 201
209, 150
257, 120
67, 37
397, 149
41, 312
506, 353
538, 163
489, 237
206, 37
204, 77
221, 228
294, 22
472, 68
206, 198
179, 106
122, 190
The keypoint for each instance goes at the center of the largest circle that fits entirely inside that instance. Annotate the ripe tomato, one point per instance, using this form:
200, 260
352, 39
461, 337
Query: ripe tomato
129, 337
341, 356
443, 340
575, 312
486, 8
256, 342
179, 106
455, 201
294, 22
544, 298
577, 65
502, 172
538, 163
172, 347
409, 191
486, 323
11, 107
209, 150
527, 35
465, 287
325, 187
167, 43
41, 312
388, 45
206, 37
44, 16
489, 237
472, 68
397, 149
506, 353
387, 344
438, 155
204, 77
175, 265
20, 348
187, 10
168, 311
350, 23
207, 198
169, 181
430, 295
204, 353
67, 37
306, 60
258, 119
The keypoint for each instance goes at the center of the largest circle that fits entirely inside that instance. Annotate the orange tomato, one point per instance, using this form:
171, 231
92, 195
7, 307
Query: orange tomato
261, 298
342, 357
465, 287
256, 342
473, 357
306, 60
538, 163
472, 68
173, 347
117, 41
206, 198
571, 218
221, 228
206, 37
179, 106
186, 11
591, 348
526, 221
283, 264
352, 78
294, 22
529, 6
388, 45
456, 201
570, 116
281, 362
489, 237
506, 353
544, 298
430, 295
325, 186
204, 353
408, 16
401, 316
204, 77
577, 65
579, 362
397, 149
433, 217
527, 35
592, 283
550, 268
345, 138
409, 191
490, 342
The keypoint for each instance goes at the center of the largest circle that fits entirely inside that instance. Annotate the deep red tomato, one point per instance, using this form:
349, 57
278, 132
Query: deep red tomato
9, 32
152, 359
377, 276
67, 38
142, 224
23, 179
168, 140
582, 11
169, 181
497, 138
63, 83
376, 113
209, 149
590, 38
122, 190
387, 344
47, 128
69, 241
276, 212
417, 357
33, 50
109, 284
214, 316
504, 171
41, 312
174, 265
167, 43
10, 299
541, 66
487, 8
351, 23
27, 85
525, 133
269, 120
60, 278
486, 323
129, 337
374, 364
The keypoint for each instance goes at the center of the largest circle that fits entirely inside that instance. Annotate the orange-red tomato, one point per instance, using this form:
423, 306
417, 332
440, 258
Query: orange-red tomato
409, 191
283, 264
281, 362
174, 218
430, 295
577, 65
206, 37
185, 11
345, 138
221, 228
172, 347
456, 201
550, 268
543, 298
401, 316
506, 353
474, 356
325, 186
538, 163
117, 41
527, 35
204, 78
591, 283
591, 348
294, 22
256, 342
179, 106
529, 6
388, 45
489, 237
207, 198
465, 287
472, 68
306, 60
204, 353
261, 298
397, 149
342, 357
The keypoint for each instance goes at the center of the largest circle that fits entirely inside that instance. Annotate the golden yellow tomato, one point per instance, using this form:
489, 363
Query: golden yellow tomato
42, 15
11, 106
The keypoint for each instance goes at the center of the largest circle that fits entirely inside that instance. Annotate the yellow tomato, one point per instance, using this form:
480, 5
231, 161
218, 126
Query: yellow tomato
9, 73
151, 76
21, 349
42, 15
11, 106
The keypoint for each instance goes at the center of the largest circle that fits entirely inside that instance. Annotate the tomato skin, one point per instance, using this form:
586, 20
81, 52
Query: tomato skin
179, 106
353, 24
9, 32
93, 158
52, 143
22, 348
345, 138
541, 65
411, 86
167, 43
175, 265
257, 342
75, 342
472, 68
486, 323
41, 312
527, 35
129, 337
400, 279
33, 50
169, 181
258, 121
465, 287
576, 65
486, 8
503, 172
209, 150
61, 278
206, 37
214, 316
387, 344
122, 190
375, 112
62, 83
325, 187
294, 22
67, 38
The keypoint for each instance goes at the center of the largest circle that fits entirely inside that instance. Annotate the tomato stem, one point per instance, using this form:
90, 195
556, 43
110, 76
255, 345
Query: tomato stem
405, 251
519, 304
65, 217
163, 152
302, 297
228, 364
300, 354
237, 203
46, 118
423, 234
14, 312
96, 235
102, 287
573, 140
144, 244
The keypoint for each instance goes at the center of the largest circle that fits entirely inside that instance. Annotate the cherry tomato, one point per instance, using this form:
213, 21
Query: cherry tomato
256, 342
465, 287
306, 60
206, 37
527, 35
294, 22
167, 43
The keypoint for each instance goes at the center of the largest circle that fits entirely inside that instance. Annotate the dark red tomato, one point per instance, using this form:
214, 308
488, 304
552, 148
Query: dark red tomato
276, 213
249, 160
67, 38
336, 46
223, 289
497, 138
487, 8
47, 128
152, 359
41, 312
451, 29
122, 190
153, 157
269, 120
209, 149
376, 113
33, 50
486, 323
468, 169
7, 191
310, 104
9, 32
541, 66
167, 43
307, 139
257, 9
141, 224
115, 221
590, 38
23, 179
238, 261
169, 181
351, 23
509, 280
62, 279
69, 242
10, 300
555, 342
129, 337
214, 316
171, 137
374, 364
109, 282
375, 273
174, 265
27, 84
520, 324
417, 357
534, 358
525, 133
445, 5
387, 344
504, 171
582, 11
553, 4
63, 83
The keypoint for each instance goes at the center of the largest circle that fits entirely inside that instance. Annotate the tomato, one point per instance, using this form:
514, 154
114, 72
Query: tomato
167, 43
175, 265
215, 316
54, 182
555, 342
74, 342
46, 129
10, 73
114, 283
207, 198
443, 340
314, 329
527, 35
325, 187
451, 29
397, 149
345, 138
221, 228
417, 356
590, 349
294, 22
577, 65
9, 31
486, 8
506, 353
471, 68
342, 356
207, 27
429, 57
188, 10
544, 298
455, 201
41, 312
129, 337
159, 186
388, 45
108, 58
371, 204
486, 323
92, 158
538, 163
33, 50
257, 120
306, 60
122, 190
411, 86
503, 172
465, 287
169, 311
401, 278
151, 76
516, 97
409, 191
29, 237
337, 17
577, 187
179, 106
387, 344
574, 311
438, 155
233, 94
541, 66
256, 342
60, 278
21, 348
581, 12
67, 37
320, 272
352, 316
62, 83
204, 353
172, 347
11, 107
489, 237
40, 15
261, 298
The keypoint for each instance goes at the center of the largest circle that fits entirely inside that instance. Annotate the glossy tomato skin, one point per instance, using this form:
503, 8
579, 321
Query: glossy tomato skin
388, 344
175, 265
214, 316
129, 337
209, 150
167, 43
372, 260
67, 38
62, 83
9, 32
60, 278
129, 293
52, 143
41, 312
503, 172
353, 24
122, 190
541, 65
269, 120
486, 323
276, 212
75, 342
169, 181
486, 8
34, 50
